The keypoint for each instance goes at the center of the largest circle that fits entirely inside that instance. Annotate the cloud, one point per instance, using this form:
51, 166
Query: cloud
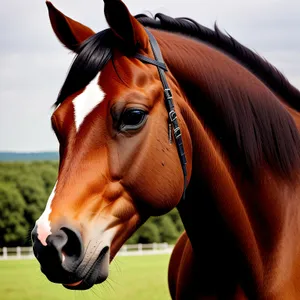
34, 64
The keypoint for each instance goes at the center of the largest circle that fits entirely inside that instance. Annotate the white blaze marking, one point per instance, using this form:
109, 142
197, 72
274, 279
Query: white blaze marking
43, 223
87, 101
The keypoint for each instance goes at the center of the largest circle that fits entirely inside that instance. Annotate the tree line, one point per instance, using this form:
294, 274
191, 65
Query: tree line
24, 190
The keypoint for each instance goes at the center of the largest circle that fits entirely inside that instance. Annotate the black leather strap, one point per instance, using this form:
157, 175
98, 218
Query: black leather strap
151, 61
161, 67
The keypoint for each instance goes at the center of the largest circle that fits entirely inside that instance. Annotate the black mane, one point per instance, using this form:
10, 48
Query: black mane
94, 53
266, 72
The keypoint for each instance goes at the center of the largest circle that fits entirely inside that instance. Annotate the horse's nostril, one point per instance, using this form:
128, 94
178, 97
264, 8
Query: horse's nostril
72, 251
74, 246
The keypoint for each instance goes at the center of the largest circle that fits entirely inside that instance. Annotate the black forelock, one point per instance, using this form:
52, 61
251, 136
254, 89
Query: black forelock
92, 55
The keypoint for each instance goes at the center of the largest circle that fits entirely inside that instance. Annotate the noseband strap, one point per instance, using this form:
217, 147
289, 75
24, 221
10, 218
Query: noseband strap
162, 68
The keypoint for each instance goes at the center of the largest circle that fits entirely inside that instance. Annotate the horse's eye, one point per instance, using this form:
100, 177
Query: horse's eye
132, 119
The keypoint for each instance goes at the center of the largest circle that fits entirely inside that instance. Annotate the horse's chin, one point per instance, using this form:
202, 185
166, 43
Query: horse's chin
97, 273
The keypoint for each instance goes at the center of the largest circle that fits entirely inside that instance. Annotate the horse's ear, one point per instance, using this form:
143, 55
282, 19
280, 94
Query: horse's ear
68, 31
125, 26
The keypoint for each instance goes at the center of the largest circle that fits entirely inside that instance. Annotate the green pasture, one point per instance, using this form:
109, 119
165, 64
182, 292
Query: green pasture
131, 278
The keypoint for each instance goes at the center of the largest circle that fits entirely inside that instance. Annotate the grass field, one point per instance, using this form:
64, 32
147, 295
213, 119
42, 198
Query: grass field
131, 278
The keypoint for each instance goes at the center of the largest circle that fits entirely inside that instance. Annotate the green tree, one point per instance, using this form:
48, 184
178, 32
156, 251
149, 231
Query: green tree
33, 191
13, 226
158, 230
134, 239
175, 217
167, 229
33, 182
9, 172
48, 175
148, 233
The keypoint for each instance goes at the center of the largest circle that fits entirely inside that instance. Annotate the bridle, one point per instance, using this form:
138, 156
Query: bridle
173, 122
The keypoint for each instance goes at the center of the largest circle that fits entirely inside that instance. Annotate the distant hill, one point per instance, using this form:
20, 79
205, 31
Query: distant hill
27, 156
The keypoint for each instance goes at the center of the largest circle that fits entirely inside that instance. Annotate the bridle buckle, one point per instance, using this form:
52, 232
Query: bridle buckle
177, 132
172, 115
168, 94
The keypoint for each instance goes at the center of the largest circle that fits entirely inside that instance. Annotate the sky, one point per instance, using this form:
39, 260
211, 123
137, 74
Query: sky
33, 64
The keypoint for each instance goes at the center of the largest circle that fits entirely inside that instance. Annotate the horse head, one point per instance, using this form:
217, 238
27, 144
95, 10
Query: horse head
117, 165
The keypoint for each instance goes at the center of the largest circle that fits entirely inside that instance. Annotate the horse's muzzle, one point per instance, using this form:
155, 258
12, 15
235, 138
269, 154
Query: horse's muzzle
62, 259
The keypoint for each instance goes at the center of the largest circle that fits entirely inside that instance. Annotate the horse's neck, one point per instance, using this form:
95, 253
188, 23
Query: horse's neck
242, 226
212, 200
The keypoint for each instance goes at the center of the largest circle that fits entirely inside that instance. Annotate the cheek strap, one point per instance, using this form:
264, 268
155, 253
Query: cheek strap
173, 122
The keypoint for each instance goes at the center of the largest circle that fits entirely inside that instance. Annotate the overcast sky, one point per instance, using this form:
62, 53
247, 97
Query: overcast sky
33, 64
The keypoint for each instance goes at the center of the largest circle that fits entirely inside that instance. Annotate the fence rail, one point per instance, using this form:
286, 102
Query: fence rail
126, 250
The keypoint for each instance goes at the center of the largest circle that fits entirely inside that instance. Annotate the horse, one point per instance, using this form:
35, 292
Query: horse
158, 113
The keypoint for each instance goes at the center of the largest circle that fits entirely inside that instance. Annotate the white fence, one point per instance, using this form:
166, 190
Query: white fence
126, 250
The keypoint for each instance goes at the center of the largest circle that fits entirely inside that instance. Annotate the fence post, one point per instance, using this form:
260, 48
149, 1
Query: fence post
18, 252
140, 248
4, 252
124, 248
154, 246
166, 245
